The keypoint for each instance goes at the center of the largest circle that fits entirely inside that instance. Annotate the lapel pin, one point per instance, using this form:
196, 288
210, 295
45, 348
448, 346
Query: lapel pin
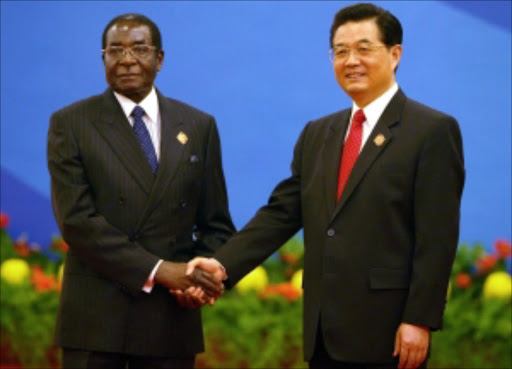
182, 138
379, 140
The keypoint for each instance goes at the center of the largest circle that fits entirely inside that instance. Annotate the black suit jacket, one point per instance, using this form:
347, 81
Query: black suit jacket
383, 254
119, 219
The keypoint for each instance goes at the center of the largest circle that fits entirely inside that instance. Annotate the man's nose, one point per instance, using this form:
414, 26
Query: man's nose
127, 58
353, 58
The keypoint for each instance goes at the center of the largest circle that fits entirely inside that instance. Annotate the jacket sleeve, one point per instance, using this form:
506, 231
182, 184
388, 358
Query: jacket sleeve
270, 228
89, 235
213, 223
438, 189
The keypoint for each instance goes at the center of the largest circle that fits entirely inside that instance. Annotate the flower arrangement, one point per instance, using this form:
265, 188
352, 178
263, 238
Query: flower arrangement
478, 315
29, 298
259, 323
473, 266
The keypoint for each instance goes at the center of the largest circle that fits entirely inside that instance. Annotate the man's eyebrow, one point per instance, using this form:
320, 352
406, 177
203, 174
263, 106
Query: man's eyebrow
361, 41
118, 43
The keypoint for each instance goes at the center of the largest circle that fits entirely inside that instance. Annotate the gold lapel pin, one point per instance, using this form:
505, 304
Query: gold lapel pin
379, 140
182, 138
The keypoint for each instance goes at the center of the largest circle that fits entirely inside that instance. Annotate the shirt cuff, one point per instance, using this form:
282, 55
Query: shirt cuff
150, 282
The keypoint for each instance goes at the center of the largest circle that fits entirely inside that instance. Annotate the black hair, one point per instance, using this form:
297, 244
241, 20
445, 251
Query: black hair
156, 37
389, 26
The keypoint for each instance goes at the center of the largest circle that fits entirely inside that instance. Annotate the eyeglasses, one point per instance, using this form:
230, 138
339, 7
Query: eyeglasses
137, 51
341, 53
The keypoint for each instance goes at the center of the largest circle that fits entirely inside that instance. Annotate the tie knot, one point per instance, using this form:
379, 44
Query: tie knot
138, 112
359, 117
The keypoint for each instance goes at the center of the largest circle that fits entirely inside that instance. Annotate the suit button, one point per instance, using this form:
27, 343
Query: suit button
331, 232
121, 200
183, 203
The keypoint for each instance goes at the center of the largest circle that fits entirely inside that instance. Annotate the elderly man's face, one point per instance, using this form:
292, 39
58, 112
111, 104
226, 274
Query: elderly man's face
363, 65
127, 74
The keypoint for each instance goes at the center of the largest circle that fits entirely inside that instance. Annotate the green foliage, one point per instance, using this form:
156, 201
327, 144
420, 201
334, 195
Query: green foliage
294, 246
465, 258
6, 248
27, 322
477, 334
245, 331
274, 270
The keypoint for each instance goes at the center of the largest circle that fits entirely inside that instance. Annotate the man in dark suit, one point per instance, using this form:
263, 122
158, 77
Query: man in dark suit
137, 189
377, 189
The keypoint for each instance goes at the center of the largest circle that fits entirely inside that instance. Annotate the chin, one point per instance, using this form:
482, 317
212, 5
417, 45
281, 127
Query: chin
128, 87
353, 88
128, 90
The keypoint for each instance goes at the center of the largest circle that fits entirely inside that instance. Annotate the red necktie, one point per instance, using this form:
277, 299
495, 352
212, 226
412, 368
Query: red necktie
350, 151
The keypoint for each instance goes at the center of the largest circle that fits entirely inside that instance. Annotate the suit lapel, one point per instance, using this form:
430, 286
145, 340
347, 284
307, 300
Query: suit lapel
332, 157
170, 153
117, 132
371, 149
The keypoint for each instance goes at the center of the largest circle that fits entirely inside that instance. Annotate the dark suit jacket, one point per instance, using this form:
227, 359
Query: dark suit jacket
119, 219
383, 254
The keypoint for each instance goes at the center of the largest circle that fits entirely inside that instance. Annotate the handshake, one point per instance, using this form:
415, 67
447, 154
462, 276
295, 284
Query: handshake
194, 284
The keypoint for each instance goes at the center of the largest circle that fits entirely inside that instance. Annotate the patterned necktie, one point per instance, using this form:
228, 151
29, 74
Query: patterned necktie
350, 151
141, 131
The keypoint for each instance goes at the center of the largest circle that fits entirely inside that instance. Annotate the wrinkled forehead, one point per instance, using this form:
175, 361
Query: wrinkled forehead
128, 30
353, 32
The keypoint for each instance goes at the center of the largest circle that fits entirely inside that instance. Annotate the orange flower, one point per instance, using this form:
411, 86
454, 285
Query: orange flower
60, 245
485, 263
289, 258
463, 280
503, 248
43, 282
22, 248
4, 220
286, 289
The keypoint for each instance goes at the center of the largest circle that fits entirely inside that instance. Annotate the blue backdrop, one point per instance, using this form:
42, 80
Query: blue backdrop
262, 69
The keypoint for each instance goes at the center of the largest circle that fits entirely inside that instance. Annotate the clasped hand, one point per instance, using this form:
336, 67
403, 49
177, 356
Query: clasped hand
198, 283
193, 287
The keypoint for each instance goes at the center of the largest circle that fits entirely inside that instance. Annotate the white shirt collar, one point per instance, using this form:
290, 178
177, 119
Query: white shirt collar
149, 104
374, 110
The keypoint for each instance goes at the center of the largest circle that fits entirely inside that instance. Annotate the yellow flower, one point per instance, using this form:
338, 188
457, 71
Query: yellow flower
61, 273
498, 284
255, 280
297, 280
15, 271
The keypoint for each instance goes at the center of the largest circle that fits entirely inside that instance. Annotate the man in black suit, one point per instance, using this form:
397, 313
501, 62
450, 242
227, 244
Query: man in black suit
137, 189
377, 189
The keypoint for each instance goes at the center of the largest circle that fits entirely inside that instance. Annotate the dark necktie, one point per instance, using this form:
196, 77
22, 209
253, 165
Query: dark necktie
350, 151
141, 131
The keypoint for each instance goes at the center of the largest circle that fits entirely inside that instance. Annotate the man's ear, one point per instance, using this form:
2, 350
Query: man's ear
159, 60
397, 52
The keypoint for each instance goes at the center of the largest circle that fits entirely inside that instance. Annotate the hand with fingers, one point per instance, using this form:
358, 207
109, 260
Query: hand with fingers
411, 345
192, 298
209, 265
174, 277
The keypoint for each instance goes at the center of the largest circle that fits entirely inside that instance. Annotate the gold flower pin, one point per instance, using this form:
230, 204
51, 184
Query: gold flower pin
182, 138
379, 140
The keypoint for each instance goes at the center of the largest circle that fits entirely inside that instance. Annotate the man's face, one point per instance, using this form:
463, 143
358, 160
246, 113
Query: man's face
128, 75
367, 74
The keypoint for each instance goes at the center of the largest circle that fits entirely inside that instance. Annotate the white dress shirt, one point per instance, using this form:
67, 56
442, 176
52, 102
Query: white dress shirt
372, 112
151, 118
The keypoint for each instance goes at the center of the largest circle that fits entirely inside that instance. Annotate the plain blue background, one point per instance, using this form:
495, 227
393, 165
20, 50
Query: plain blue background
262, 69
